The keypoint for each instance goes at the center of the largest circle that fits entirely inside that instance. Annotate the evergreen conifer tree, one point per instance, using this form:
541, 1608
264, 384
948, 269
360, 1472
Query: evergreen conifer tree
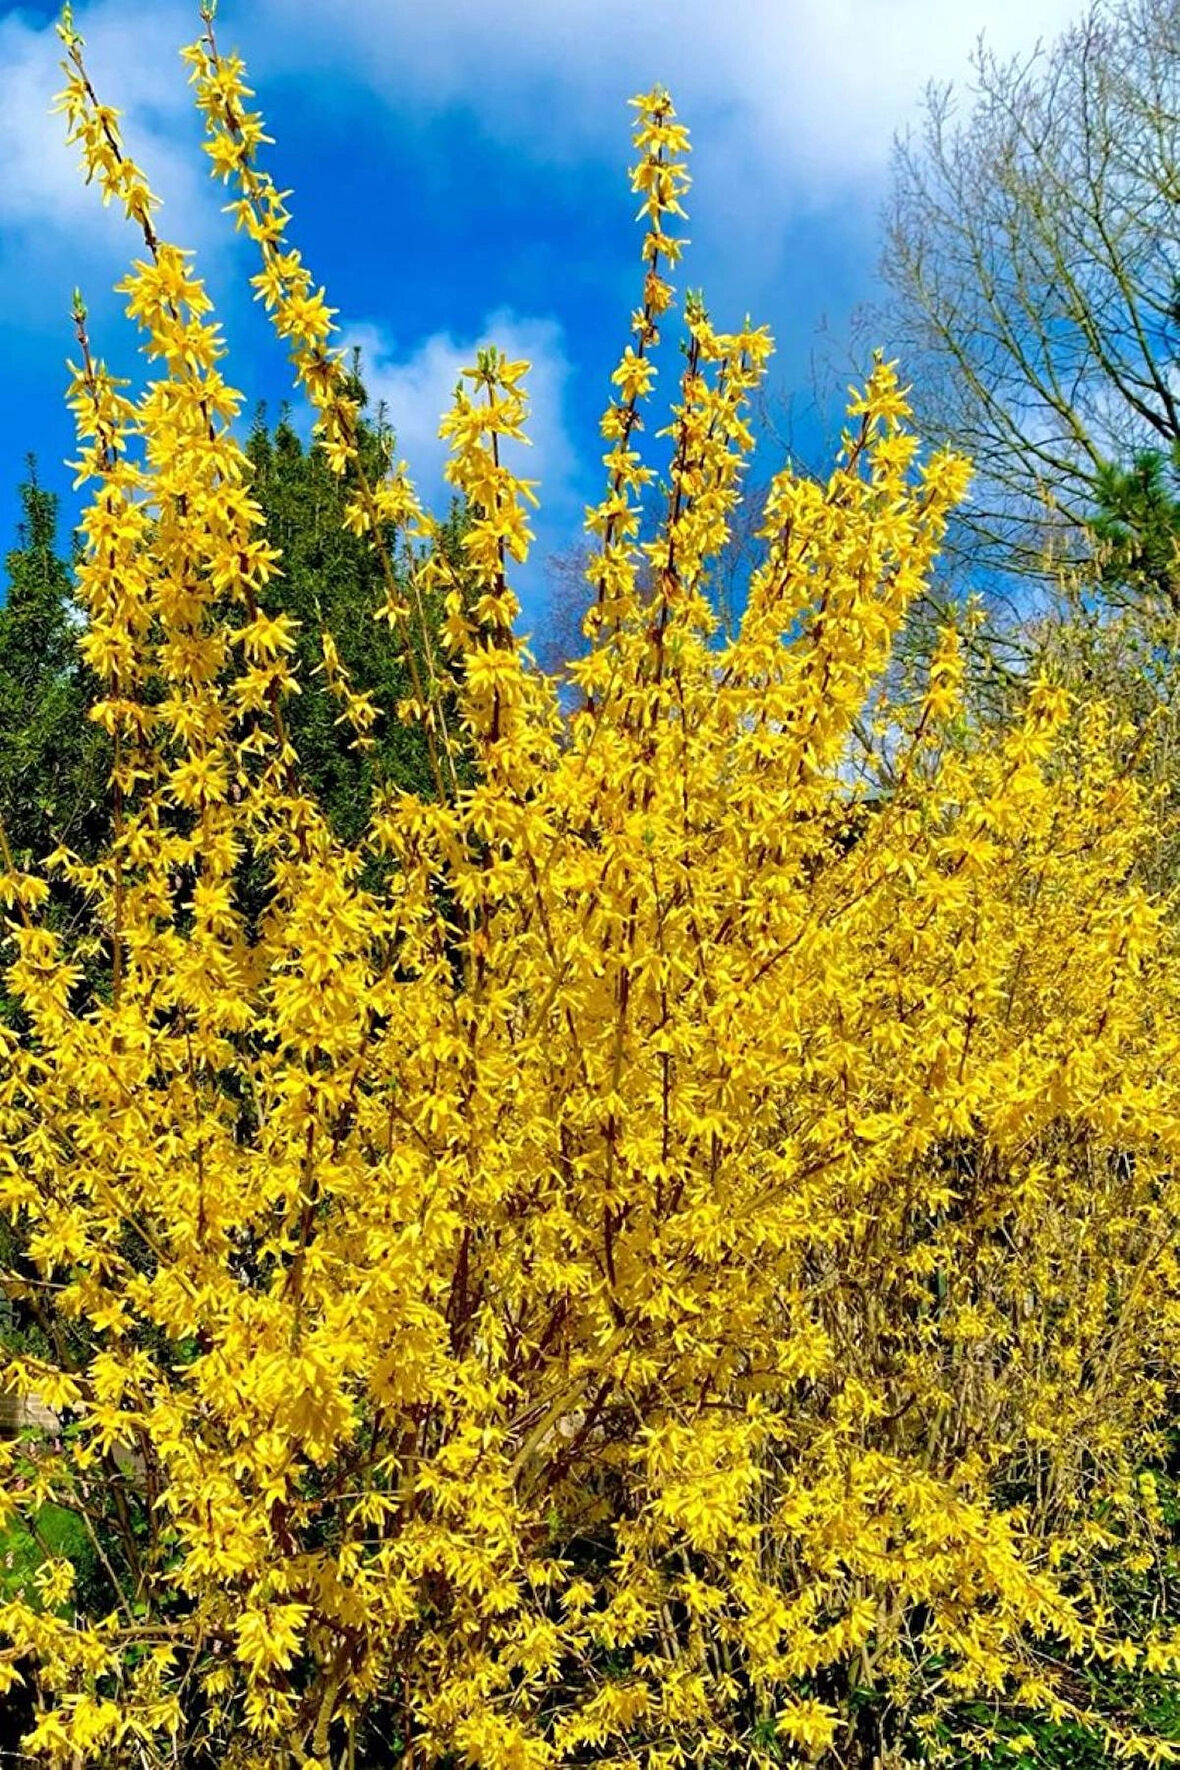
52, 758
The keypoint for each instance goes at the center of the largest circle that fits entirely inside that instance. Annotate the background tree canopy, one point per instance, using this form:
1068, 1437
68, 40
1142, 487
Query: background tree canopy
1032, 252
53, 764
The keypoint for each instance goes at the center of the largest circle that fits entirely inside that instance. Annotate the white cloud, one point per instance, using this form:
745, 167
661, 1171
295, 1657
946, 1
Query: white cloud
417, 388
792, 102
798, 96
56, 231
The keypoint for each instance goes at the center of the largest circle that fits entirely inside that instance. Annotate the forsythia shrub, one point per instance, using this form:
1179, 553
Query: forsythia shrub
684, 1264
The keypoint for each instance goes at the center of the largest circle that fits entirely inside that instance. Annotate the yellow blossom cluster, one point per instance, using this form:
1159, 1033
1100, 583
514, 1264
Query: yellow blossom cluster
689, 1249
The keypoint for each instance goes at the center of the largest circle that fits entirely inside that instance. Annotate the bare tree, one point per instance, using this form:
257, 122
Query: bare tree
558, 640
1032, 252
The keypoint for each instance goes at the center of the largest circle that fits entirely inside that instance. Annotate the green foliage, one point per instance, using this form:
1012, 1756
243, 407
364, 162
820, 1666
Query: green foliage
55, 1532
1137, 527
53, 762
331, 578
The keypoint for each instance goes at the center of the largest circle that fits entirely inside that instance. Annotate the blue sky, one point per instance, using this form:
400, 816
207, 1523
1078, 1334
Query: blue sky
459, 174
